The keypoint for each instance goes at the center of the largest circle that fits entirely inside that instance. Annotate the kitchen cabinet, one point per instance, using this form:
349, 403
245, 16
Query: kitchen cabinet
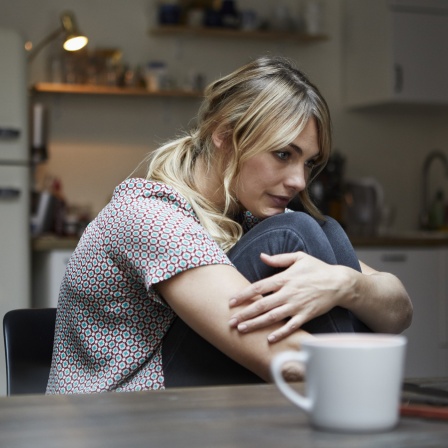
423, 272
395, 52
48, 270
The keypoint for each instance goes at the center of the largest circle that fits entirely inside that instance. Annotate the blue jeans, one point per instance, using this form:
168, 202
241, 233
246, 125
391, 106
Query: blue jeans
293, 232
189, 360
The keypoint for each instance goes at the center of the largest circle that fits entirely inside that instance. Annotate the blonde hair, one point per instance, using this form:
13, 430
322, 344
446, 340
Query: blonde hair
260, 106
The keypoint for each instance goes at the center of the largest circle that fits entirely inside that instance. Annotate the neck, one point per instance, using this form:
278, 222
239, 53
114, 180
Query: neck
209, 183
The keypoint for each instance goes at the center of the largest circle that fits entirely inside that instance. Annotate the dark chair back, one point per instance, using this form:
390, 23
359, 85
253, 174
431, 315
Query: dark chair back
29, 335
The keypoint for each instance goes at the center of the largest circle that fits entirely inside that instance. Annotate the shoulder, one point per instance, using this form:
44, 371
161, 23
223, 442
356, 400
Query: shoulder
150, 198
153, 224
154, 210
137, 188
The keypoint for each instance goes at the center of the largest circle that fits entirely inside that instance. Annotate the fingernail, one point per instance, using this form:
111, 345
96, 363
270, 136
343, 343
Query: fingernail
233, 322
242, 327
232, 302
271, 338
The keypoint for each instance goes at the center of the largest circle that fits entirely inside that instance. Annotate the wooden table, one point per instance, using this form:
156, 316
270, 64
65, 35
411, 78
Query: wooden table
238, 416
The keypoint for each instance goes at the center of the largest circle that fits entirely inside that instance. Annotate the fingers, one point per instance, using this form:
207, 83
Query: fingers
277, 306
269, 284
257, 289
275, 315
260, 314
290, 327
282, 260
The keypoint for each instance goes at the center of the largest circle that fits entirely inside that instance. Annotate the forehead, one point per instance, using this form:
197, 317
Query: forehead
307, 142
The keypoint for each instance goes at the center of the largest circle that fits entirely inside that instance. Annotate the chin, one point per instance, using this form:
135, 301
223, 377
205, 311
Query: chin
271, 212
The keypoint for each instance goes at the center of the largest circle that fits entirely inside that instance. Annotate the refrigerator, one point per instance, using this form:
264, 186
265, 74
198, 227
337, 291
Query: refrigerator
15, 180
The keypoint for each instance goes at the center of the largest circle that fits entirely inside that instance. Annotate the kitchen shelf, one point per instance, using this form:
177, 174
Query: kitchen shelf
88, 89
178, 30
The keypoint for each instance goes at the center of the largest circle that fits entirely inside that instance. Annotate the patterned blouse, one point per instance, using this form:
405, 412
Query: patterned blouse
110, 320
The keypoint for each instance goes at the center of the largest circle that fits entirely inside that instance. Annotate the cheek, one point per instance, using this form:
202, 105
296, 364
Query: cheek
256, 175
253, 180
261, 170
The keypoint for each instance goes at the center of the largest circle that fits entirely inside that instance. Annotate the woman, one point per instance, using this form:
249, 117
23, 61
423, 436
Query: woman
184, 244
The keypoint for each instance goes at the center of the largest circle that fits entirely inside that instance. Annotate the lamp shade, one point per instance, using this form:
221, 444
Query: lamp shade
73, 39
75, 43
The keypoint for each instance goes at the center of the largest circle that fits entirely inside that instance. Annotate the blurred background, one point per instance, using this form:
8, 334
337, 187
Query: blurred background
95, 141
86, 120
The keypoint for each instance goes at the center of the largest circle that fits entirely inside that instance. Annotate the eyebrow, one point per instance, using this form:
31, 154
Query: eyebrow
296, 148
299, 151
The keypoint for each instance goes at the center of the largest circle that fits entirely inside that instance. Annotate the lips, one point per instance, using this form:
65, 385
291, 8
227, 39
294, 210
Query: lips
280, 201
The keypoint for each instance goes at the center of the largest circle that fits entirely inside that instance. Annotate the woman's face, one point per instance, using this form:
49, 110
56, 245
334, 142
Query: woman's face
268, 181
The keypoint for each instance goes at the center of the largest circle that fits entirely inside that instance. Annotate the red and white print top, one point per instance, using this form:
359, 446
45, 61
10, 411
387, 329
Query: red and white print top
110, 320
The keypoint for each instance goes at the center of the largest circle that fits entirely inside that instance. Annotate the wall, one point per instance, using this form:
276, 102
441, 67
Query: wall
98, 141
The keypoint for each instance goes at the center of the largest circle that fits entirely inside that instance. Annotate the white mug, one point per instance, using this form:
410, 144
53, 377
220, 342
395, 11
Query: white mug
352, 381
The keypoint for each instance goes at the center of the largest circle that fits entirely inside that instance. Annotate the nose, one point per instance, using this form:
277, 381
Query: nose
296, 179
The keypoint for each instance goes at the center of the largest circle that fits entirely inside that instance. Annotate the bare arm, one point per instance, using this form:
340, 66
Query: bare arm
380, 300
308, 288
201, 297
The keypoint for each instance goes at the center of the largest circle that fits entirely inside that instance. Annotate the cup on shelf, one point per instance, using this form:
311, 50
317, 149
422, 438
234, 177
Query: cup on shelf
195, 18
155, 76
169, 13
248, 20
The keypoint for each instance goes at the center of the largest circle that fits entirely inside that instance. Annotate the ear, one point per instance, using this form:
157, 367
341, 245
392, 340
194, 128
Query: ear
217, 138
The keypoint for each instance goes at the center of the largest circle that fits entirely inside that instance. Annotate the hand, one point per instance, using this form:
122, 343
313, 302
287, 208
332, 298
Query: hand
307, 288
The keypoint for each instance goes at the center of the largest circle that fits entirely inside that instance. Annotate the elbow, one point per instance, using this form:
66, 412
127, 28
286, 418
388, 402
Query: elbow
403, 311
292, 372
408, 315
404, 316
399, 318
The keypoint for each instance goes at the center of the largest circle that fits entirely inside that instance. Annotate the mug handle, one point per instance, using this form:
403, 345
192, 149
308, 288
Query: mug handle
277, 363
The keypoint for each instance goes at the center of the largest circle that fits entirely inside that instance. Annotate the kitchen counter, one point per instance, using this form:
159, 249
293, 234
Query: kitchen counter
405, 239
52, 242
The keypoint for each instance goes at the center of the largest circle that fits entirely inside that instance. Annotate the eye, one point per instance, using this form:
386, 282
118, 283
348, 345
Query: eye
311, 164
283, 155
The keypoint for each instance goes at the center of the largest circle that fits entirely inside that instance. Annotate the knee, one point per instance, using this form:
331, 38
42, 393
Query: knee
328, 221
294, 221
296, 225
285, 233
332, 228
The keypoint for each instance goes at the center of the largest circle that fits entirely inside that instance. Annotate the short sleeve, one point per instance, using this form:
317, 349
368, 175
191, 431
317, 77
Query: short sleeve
157, 237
